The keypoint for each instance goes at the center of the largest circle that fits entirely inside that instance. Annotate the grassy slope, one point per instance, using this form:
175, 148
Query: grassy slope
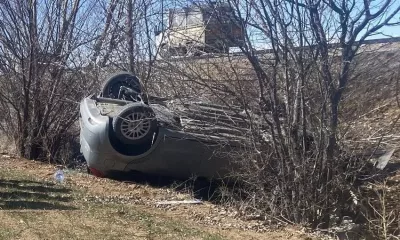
33, 206
35, 209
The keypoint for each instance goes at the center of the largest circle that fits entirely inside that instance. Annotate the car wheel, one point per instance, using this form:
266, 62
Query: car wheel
121, 86
135, 124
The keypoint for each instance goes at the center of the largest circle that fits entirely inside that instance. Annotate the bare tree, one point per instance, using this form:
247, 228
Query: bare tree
295, 165
42, 71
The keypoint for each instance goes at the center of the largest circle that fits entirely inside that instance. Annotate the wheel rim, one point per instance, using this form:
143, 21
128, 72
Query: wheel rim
136, 125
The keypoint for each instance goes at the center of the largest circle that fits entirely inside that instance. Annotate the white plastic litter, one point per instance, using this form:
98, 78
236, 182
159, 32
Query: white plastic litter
174, 202
59, 176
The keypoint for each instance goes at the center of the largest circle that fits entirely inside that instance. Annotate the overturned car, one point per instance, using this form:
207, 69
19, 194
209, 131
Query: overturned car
124, 131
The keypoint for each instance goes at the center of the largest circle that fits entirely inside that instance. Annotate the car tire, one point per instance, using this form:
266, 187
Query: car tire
112, 85
135, 124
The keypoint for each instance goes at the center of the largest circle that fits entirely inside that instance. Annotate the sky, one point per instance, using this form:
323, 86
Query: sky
393, 31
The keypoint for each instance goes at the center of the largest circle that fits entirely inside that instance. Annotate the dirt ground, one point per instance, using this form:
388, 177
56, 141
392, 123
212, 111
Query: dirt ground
34, 206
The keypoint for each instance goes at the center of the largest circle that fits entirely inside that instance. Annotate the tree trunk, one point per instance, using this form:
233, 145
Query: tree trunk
130, 37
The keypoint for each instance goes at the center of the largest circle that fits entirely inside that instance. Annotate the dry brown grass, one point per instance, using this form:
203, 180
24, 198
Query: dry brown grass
84, 207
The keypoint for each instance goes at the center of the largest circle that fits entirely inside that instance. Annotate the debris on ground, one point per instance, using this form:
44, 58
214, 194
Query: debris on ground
175, 202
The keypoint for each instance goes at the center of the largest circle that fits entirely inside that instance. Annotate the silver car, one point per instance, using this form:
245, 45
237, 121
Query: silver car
123, 131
